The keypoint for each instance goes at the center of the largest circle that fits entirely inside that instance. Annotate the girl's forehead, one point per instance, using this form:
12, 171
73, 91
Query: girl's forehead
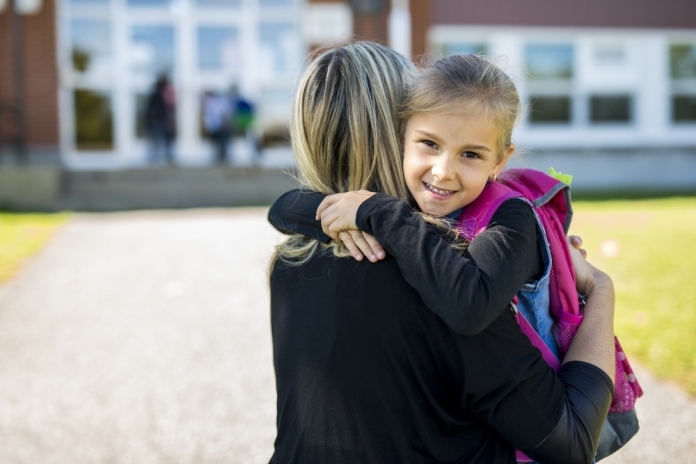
461, 116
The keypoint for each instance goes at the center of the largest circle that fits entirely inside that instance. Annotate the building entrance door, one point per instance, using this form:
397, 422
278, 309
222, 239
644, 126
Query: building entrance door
113, 52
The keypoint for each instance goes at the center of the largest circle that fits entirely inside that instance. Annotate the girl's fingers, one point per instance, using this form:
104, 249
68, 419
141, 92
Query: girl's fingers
347, 240
361, 242
328, 217
375, 245
326, 202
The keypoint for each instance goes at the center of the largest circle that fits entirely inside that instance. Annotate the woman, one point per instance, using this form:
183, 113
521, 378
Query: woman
365, 372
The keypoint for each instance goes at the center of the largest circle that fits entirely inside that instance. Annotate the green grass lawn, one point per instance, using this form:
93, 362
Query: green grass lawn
22, 235
647, 246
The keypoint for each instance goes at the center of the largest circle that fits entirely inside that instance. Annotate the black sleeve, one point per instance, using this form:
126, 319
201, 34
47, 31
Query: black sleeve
468, 292
551, 418
588, 394
294, 213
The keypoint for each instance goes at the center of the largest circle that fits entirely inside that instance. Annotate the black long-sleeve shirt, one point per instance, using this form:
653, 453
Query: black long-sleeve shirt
467, 293
365, 373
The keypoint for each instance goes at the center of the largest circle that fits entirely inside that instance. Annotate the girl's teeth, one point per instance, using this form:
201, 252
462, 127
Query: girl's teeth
438, 191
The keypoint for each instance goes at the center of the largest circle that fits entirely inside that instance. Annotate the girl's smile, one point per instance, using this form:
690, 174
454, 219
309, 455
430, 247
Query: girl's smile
448, 158
439, 193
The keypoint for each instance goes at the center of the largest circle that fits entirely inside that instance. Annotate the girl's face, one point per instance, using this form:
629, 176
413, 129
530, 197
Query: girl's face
448, 159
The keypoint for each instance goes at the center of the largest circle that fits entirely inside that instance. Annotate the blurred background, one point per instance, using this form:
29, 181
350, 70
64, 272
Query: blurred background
125, 85
143, 336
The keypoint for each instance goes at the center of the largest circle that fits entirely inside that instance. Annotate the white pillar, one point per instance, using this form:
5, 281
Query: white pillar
653, 102
400, 28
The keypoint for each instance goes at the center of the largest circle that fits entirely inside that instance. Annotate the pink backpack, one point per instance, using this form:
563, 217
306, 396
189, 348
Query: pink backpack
550, 199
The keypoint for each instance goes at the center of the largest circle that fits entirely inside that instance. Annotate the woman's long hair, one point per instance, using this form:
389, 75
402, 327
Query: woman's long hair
344, 131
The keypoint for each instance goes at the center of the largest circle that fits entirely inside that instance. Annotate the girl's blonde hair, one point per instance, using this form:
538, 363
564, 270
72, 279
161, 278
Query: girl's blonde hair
465, 84
344, 131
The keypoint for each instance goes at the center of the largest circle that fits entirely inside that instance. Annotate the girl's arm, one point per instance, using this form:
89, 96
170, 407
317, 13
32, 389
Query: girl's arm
294, 213
467, 292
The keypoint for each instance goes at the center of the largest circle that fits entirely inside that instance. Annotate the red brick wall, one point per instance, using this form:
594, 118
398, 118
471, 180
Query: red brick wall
421, 20
40, 74
373, 27
585, 13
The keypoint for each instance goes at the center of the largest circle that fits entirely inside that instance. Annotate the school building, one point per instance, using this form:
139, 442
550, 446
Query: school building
610, 85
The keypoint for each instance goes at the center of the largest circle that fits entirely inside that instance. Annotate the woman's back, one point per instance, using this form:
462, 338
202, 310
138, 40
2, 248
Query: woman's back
366, 373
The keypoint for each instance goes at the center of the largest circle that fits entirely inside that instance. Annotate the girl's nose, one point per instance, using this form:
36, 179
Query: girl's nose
443, 169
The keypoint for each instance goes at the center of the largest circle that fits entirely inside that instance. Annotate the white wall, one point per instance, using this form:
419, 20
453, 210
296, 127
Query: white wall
644, 74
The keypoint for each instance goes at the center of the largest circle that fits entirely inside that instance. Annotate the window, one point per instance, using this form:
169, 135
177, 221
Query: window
278, 49
93, 120
550, 109
152, 49
90, 48
611, 109
550, 61
550, 85
149, 3
276, 2
461, 48
682, 70
682, 61
219, 3
684, 108
217, 48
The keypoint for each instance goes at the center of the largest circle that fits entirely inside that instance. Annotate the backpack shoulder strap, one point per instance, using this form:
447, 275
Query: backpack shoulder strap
541, 189
535, 339
477, 214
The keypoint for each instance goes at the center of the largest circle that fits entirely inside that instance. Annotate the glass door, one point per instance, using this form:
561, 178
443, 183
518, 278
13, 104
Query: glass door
152, 100
88, 122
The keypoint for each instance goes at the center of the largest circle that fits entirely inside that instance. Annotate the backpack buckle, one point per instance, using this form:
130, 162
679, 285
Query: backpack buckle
513, 308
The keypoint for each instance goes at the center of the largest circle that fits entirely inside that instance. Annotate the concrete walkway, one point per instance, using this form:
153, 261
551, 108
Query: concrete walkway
144, 338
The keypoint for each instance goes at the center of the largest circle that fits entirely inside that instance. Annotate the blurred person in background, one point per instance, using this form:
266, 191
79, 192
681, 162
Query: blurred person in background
160, 121
243, 121
217, 121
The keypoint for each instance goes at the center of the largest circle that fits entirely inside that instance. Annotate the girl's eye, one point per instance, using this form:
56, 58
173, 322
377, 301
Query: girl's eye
429, 143
470, 154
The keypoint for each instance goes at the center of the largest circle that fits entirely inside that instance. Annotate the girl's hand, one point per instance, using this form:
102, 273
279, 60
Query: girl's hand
361, 244
337, 212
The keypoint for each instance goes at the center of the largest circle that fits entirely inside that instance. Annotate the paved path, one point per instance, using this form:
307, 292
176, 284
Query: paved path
144, 338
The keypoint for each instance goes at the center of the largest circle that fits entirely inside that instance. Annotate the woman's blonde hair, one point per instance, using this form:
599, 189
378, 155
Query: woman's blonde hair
465, 84
344, 130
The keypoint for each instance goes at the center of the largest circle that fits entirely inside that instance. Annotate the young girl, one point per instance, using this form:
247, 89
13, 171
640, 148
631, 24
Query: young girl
362, 366
457, 122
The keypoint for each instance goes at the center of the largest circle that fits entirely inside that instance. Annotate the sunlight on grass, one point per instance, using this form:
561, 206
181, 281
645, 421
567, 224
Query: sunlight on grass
22, 235
647, 246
